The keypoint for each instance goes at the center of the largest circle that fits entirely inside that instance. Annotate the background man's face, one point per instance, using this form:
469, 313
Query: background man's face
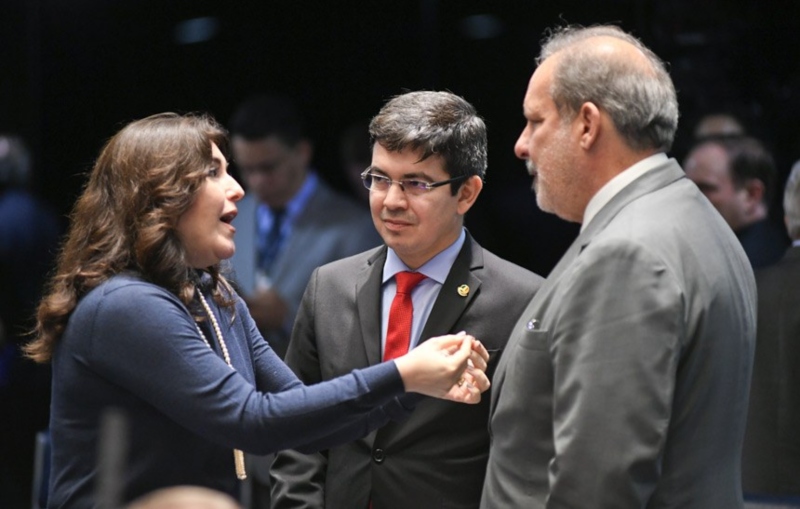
271, 169
707, 166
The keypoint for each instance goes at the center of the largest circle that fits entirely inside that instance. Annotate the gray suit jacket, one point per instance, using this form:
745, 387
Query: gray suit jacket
329, 228
625, 381
436, 458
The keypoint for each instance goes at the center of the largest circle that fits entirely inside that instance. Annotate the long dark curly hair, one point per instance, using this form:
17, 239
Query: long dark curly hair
145, 178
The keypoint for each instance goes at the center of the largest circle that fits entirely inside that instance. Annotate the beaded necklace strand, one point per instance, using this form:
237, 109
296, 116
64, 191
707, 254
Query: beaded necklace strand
238, 455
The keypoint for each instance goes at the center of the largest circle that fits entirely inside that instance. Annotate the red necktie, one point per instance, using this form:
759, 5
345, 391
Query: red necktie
398, 333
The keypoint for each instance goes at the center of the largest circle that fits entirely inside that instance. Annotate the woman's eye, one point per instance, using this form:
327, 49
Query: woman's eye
213, 172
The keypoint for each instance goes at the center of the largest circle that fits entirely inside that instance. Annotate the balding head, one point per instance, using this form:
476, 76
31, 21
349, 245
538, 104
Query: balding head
718, 125
616, 72
791, 202
184, 497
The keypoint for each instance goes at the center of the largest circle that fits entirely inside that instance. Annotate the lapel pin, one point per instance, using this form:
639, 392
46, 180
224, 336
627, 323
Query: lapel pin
533, 324
463, 290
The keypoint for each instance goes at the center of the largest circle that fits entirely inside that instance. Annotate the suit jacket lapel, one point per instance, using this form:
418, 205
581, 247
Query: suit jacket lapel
368, 303
450, 305
654, 179
446, 311
658, 177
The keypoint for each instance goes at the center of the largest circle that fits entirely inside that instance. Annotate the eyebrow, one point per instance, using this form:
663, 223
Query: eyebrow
405, 176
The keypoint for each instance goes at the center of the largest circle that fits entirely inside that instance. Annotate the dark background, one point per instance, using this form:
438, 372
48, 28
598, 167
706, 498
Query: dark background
74, 71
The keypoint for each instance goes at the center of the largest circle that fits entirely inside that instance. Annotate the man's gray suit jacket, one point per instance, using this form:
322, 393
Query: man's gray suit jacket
625, 381
436, 458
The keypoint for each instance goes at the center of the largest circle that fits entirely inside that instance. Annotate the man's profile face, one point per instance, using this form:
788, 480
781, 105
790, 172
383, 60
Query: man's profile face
271, 169
547, 148
707, 166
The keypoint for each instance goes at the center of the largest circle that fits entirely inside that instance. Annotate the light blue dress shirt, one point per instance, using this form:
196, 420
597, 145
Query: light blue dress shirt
424, 294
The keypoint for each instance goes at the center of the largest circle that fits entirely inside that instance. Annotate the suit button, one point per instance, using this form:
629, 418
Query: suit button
378, 456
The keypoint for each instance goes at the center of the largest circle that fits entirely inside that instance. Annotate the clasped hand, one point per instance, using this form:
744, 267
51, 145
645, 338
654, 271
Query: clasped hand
448, 367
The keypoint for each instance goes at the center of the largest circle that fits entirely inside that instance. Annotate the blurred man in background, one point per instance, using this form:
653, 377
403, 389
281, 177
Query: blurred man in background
771, 458
289, 223
737, 174
29, 233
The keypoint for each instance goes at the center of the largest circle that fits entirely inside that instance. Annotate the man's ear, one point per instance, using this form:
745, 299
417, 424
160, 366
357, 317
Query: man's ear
754, 190
304, 151
468, 193
587, 123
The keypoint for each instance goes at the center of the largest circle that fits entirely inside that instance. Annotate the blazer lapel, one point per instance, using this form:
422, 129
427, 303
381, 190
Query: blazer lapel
657, 178
450, 304
368, 303
654, 179
544, 291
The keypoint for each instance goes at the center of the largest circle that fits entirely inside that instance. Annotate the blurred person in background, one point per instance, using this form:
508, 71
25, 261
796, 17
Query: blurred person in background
29, 233
291, 221
771, 458
355, 151
737, 174
184, 497
717, 125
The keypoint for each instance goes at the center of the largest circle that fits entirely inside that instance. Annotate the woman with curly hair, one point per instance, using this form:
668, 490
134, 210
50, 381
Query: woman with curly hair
139, 317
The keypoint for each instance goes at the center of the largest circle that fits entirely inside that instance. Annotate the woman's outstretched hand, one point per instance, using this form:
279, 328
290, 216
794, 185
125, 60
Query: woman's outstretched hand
448, 367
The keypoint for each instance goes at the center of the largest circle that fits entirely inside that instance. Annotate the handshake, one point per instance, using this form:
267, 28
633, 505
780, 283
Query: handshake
448, 367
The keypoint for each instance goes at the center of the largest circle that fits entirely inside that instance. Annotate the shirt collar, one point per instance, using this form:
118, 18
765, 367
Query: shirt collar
437, 268
299, 201
618, 183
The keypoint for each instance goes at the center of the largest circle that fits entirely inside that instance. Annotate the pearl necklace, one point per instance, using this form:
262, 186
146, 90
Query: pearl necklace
238, 455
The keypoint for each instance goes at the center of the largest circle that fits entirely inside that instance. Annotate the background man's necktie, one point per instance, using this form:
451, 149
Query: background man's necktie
272, 241
398, 334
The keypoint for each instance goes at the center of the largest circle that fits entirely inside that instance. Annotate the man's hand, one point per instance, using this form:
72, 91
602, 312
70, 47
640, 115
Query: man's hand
267, 309
448, 367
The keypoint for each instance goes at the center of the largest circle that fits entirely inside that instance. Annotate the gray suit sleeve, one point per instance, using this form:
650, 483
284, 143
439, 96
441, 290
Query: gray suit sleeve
615, 351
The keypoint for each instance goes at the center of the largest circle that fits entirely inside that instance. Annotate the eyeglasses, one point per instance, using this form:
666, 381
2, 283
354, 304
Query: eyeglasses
381, 183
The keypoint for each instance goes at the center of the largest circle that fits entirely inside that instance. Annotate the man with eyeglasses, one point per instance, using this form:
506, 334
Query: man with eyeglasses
427, 169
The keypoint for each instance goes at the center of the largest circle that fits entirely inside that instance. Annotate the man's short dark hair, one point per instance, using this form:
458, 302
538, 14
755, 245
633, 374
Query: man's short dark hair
267, 115
748, 159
